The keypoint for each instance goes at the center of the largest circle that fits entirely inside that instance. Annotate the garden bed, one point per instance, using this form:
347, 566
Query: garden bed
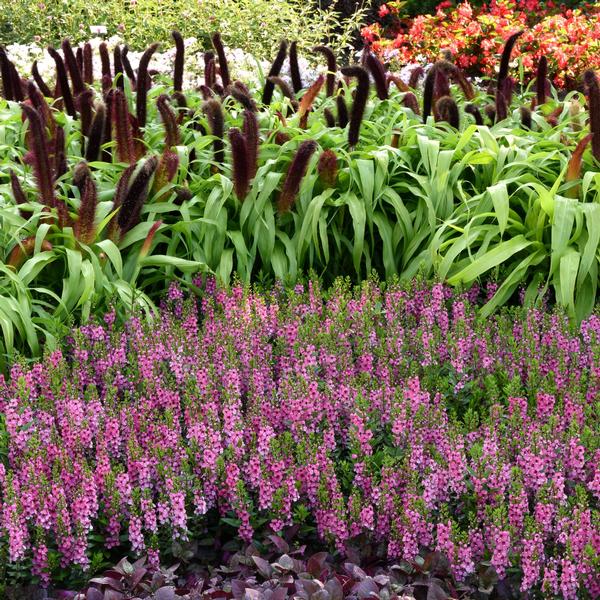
389, 414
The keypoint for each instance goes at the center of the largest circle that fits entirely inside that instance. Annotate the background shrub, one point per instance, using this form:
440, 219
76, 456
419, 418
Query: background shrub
255, 25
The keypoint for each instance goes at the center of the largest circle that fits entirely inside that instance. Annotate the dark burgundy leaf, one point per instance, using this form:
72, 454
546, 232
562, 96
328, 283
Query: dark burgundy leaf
111, 582
238, 587
335, 589
309, 585
436, 592
366, 588
355, 571
279, 594
165, 593
280, 544
264, 568
315, 563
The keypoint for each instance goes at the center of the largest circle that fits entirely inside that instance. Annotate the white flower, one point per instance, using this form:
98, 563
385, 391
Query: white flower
242, 65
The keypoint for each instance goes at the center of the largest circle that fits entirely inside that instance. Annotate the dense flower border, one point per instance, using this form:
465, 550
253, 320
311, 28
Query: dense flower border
569, 40
393, 413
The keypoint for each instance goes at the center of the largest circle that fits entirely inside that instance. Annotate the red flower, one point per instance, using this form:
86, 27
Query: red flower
383, 11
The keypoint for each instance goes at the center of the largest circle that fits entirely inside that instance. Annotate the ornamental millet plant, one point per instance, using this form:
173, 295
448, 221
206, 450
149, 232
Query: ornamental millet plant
359, 103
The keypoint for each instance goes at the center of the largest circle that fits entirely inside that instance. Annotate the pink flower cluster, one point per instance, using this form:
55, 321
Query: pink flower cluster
388, 412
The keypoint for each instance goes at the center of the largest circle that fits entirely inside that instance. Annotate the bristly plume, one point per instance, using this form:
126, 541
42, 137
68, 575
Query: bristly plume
296, 172
79, 58
165, 172
38, 101
251, 135
210, 71
506, 89
241, 177
410, 101
284, 87
207, 93
295, 68
118, 62
181, 100
142, 89
377, 70
18, 85
525, 117
281, 137
329, 118
24, 249
96, 133
216, 123
327, 168
137, 192
60, 156
448, 111
360, 101
72, 67
267, 94
85, 229
593, 95
169, 119
415, 75
84, 103
127, 67
541, 81
463, 81
182, 194
40, 156
147, 245
7, 79
105, 62
179, 61
575, 114
331, 67
308, 100
490, 112
428, 92
242, 96
61, 77
472, 110
39, 81
281, 118
122, 127
18, 193
501, 107
552, 118
107, 135
397, 82
574, 168
88, 64
223, 66
505, 60
441, 87
342, 110
119, 196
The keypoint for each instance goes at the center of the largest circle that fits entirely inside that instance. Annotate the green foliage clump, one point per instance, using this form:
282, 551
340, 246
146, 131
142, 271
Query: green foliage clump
255, 25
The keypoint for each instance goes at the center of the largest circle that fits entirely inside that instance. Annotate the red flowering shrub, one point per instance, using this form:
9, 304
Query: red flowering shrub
569, 39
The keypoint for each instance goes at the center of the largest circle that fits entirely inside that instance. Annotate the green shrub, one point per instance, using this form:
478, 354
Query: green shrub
255, 25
